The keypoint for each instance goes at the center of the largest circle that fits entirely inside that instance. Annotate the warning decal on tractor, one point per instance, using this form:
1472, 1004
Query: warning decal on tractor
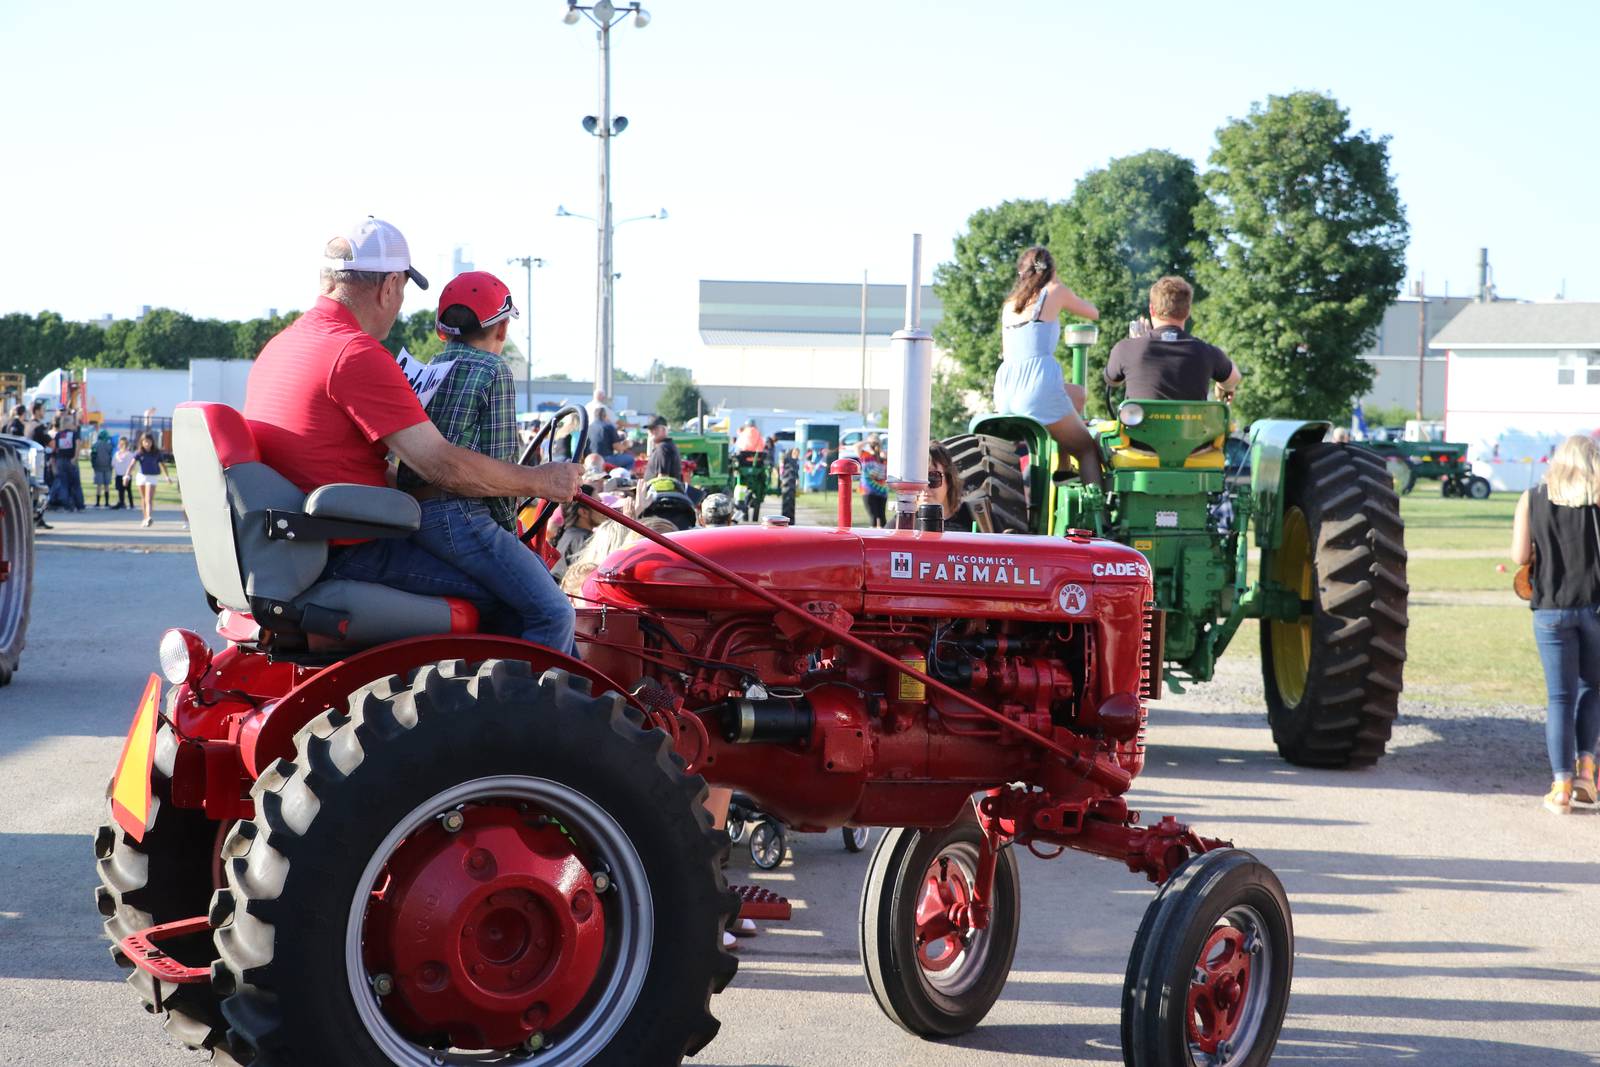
130, 790
1074, 599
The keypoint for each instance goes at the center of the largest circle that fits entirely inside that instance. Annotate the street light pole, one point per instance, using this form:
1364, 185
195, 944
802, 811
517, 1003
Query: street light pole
604, 353
605, 14
528, 263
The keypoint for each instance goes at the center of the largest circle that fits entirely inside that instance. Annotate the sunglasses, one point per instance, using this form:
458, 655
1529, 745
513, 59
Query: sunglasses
936, 479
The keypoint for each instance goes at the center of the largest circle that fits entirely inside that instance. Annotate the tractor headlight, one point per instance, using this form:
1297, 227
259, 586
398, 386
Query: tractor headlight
1131, 414
184, 657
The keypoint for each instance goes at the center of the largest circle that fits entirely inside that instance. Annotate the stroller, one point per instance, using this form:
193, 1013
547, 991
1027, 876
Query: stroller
769, 839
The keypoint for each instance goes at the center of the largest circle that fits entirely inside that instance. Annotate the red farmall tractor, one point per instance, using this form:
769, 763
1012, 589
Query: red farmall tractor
364, 834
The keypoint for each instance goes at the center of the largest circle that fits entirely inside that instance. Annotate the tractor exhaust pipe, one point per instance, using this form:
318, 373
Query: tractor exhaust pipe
911, 400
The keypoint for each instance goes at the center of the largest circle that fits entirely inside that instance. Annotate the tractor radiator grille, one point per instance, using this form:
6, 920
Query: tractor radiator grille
1155, 634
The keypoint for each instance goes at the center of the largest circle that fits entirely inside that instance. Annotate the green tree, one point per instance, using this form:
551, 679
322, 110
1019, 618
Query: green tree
1307, 238
417, 334
1123, 228
949, 415
974, 284
680, 400
252, 335
170, 339
847, 402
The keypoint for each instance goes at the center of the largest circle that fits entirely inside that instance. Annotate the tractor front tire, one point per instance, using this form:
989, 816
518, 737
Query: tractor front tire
992, 478
1208, 978
1478, 487
938, 985
16, 561
1334, 675
164, 878
380, 838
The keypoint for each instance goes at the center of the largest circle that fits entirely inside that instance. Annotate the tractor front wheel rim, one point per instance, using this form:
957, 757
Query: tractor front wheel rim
538, 927
1229, 990
951, 952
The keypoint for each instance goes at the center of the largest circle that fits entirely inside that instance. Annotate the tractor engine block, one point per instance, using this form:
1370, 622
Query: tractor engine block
822, 734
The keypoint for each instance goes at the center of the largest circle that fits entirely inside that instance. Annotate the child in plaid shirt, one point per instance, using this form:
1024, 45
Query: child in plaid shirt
467, 392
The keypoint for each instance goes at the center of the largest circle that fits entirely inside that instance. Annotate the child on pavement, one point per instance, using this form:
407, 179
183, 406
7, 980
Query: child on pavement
468, 393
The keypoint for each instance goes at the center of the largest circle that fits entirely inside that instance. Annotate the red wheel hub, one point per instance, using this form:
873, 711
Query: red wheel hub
1219, 989
943, 915
490, 934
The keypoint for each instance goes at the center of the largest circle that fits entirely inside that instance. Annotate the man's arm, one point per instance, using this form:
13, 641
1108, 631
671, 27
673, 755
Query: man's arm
471, 474
1227, 384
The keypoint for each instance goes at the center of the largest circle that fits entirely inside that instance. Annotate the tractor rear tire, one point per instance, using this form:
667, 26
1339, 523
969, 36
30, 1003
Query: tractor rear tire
1212, 962
991, 477
16, 561
948, 995
491, 741
1333, 678
164, 878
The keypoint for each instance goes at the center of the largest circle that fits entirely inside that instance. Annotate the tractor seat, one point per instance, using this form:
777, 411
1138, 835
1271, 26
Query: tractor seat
261, 545
1124, 456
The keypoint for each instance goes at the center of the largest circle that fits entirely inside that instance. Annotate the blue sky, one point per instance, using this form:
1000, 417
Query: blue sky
196, 155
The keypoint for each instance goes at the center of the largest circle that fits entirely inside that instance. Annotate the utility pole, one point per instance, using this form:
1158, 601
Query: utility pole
604, 14
528, 263
1422, 340
861, 399
603, 350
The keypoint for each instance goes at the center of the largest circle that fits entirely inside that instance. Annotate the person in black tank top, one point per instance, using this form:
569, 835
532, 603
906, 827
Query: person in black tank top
1557, 528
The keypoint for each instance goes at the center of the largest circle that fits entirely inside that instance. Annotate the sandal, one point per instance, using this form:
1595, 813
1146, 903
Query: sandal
1584, 788
1559, 799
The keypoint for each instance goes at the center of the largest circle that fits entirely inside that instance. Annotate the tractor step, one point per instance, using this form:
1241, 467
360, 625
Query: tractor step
141, 950
756, 902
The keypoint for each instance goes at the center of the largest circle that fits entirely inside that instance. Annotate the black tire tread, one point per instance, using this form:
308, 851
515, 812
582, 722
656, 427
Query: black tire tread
162, 879
991, 473
1355, 676
259, 854
14, 486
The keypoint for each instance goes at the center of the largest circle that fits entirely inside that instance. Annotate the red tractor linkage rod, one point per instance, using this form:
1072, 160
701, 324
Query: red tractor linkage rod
1105, 827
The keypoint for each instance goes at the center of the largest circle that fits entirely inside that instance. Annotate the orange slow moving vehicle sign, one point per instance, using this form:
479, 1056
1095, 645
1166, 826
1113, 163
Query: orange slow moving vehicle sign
130, 790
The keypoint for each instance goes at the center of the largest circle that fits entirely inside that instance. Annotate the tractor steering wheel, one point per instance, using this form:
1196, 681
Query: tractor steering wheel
530, 458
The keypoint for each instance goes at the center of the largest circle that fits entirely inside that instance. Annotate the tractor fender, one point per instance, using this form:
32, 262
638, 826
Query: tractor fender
270, 735
1271, 441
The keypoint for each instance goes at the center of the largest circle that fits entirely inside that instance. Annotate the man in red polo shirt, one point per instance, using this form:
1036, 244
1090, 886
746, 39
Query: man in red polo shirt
328, 403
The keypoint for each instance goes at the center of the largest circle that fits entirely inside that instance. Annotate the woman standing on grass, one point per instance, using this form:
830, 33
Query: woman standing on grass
147, 466
1557, 529
874, 483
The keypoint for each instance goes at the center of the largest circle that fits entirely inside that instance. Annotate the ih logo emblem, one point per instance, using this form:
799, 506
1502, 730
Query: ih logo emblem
899, 564
1074, 599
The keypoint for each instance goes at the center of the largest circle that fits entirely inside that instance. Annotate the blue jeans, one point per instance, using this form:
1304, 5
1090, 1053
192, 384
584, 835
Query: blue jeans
1569, 647
463, 532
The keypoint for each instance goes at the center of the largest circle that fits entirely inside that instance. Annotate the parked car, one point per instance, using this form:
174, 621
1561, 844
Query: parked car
34, 456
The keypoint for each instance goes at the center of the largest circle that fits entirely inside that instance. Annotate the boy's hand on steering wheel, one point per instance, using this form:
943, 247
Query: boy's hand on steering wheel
556, 481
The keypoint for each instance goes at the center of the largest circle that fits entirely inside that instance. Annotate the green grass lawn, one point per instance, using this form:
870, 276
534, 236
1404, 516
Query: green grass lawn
1478, 525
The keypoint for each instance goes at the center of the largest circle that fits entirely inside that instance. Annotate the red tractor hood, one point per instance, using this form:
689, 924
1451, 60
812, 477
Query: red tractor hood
879, 572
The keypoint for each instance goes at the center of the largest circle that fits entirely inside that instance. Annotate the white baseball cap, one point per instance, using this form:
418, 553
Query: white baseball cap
376, 246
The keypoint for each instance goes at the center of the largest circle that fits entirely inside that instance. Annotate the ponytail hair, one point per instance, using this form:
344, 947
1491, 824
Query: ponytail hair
1035, 268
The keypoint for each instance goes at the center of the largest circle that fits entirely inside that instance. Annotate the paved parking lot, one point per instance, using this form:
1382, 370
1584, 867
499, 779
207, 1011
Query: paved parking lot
1442, 917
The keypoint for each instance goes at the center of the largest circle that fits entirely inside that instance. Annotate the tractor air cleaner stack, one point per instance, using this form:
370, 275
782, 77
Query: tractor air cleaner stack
911, 400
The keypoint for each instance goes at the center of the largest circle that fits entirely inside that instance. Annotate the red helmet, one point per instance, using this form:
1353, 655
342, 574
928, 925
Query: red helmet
481, 293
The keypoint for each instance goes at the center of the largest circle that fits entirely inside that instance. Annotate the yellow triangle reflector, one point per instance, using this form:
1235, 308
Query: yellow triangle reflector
130, 790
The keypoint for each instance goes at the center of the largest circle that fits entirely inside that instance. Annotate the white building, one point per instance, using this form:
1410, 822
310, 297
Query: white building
1518, 378
806, 334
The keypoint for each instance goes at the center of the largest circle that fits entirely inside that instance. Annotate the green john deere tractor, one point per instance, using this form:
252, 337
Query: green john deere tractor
1327, 581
